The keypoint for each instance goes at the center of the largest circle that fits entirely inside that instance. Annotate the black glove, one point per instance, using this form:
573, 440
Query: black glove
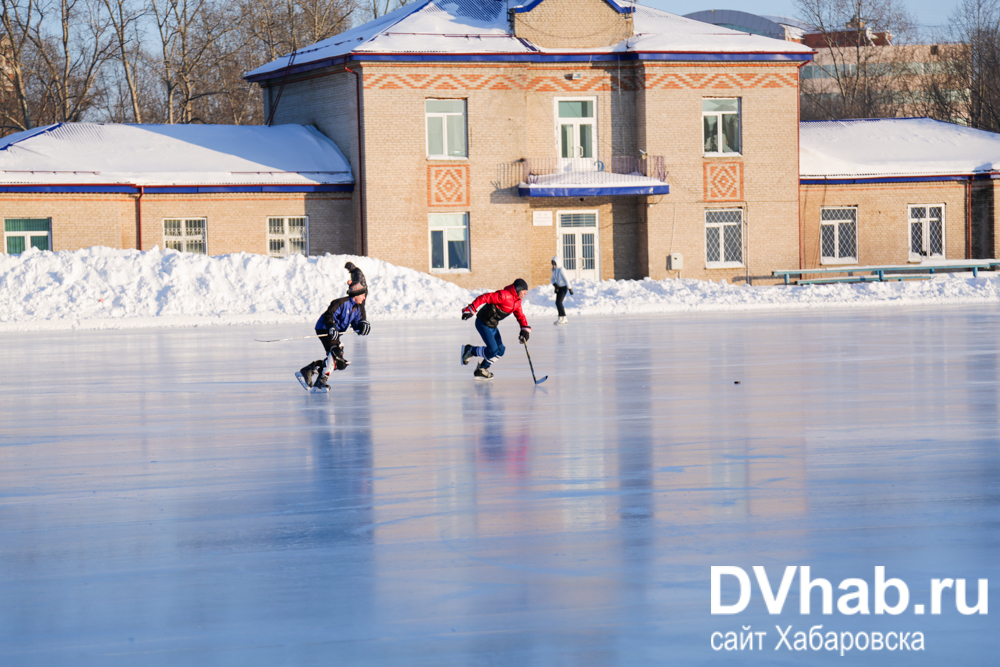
525, 333
555, 287
466, 314
362, 328
571, 291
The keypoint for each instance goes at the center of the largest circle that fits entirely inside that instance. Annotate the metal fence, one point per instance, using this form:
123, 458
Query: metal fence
650, 166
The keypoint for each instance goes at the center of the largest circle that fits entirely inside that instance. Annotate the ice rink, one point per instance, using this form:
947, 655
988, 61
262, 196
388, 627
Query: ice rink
173, 497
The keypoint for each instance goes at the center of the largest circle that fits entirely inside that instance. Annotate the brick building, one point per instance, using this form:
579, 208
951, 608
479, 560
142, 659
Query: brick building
197, 188
897, 191
494, 135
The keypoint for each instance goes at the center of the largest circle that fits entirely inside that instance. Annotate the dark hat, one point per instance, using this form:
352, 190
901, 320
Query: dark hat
357, 289
520, 285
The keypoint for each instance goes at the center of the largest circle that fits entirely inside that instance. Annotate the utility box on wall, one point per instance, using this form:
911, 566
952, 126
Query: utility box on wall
675, 262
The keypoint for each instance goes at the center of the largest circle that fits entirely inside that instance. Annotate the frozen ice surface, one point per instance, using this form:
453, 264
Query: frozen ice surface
173, 497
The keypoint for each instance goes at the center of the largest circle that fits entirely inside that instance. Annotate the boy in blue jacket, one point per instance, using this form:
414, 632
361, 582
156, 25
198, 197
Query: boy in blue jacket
345, 313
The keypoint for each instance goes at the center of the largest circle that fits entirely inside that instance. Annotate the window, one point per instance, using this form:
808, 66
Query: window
839, 235
578, 244
445, 128
287, 236
23, 233
576, 128
449, 241
721, 118
724, 238
186, 235
926, 231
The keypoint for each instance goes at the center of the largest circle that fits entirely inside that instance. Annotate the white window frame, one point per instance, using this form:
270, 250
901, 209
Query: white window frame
558, 128
184, 238
723, 264
25, 235
827, 260
926, 233
430, 243
444, 127
286, 236
596, 228
718, 127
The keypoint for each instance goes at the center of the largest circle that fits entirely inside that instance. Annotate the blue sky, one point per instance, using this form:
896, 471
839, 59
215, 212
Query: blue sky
927, 13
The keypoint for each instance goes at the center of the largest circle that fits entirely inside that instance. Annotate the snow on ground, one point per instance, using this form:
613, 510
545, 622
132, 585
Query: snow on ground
104, 288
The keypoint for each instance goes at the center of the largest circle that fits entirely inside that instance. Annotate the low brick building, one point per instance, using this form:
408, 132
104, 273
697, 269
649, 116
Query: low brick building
897, 191
489, 136
196, 188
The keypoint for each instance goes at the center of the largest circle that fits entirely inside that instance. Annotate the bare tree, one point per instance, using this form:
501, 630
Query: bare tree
860, 58
125, 17
376, 8
18, 19
69, 61
977, 26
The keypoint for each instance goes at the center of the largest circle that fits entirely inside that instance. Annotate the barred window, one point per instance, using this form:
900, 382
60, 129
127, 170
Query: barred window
724, 238
839, 235
185, 234
287, 236
926, 231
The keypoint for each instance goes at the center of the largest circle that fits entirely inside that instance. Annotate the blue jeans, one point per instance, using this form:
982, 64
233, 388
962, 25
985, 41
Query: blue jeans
494, 344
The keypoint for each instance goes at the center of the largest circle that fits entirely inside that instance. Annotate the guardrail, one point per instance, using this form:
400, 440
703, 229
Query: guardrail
885, 273
650, 166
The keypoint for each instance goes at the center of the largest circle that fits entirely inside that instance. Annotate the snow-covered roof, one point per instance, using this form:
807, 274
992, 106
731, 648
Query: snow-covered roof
592, 184
480, 30
894, 147
151, 155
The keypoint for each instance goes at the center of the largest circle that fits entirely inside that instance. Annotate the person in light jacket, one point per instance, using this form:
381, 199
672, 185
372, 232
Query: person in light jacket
562, 286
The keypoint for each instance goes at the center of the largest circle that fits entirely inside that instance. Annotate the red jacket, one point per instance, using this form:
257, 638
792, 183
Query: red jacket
499, 305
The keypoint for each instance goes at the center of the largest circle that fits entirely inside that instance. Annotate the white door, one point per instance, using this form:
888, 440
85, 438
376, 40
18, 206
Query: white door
579, 245
576, 134
926, 232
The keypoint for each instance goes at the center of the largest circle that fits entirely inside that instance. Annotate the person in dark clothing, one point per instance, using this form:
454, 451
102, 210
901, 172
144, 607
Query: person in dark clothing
345, 313
493, 307
561, 285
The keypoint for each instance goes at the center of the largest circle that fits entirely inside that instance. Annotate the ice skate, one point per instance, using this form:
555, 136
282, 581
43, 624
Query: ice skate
321, 386
482, 372
467, 353
305, 376
562, 320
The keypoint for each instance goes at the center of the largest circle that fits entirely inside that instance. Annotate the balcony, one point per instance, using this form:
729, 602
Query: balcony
589, 177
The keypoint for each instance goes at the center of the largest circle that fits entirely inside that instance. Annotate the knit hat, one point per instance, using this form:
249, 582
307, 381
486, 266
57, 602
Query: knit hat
356, 283
520, 285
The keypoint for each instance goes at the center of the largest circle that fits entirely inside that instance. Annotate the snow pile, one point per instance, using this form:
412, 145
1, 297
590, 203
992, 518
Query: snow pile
100, 288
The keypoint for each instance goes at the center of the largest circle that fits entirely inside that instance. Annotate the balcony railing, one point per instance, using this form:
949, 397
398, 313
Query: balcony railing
593, 170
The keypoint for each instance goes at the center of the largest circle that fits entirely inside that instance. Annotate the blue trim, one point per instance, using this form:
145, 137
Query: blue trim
534, 3
892, 179
173, 189
50, 128
534, 57
592, 192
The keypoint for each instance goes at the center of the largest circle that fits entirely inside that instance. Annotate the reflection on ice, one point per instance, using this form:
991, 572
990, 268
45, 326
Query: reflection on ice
174, 497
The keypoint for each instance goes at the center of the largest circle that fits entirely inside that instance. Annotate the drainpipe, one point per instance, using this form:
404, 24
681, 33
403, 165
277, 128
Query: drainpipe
968, 223
361, 164
138, 220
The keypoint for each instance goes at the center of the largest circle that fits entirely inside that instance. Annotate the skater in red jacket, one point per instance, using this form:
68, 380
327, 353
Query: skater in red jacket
493, 307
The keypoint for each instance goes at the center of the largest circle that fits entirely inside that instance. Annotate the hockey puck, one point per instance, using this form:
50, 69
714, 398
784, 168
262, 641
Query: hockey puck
737, 382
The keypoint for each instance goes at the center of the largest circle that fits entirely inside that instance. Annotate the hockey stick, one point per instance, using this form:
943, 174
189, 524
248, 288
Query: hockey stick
532, 366
279, 340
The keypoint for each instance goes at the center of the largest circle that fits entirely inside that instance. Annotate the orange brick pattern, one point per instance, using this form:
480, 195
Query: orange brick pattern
448, 186
723, 181
604, 81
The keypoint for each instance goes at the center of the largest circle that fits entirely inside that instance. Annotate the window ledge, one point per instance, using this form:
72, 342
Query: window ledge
727, 155
840, 262
444, 158
451, 270
724, 265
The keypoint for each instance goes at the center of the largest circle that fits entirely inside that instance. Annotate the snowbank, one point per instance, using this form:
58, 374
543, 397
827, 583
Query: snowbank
103, 288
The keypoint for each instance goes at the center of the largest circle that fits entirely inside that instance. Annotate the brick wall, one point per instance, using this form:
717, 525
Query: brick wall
573, 24
883, 218
235, 222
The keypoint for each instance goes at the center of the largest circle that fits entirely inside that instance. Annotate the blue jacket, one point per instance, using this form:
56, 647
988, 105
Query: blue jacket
341, 314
